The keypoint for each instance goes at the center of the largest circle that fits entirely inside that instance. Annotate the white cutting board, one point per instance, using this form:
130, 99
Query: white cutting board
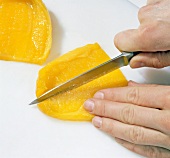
25, 132
139, 3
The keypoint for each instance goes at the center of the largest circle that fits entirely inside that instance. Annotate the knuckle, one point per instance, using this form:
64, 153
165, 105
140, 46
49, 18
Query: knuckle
157, 61
128, 114
144, 13
150, 152
153, 152
149, 35
133, 147
133, 95
141, 12
111, 130
166, 142
144, 10
108, 127
166, 100
164, 58
164, 122
136, 135
99, 108
145, 31
103, 109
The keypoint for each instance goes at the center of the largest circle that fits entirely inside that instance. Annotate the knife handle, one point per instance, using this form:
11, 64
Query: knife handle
129, 55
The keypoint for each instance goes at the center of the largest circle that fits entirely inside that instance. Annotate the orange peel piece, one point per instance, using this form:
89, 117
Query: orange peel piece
69, 105
25, 31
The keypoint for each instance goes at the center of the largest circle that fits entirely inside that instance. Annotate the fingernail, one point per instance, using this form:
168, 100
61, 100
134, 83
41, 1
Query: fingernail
89, 105
97, 122
99, 95
138, 64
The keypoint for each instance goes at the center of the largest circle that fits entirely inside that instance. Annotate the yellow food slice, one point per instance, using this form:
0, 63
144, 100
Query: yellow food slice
69, 105
25, 31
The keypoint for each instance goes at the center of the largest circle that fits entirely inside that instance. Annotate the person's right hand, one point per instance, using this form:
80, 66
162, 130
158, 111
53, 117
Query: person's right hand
152, 36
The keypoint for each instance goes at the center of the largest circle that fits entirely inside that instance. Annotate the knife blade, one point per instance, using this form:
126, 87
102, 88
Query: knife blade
101, 70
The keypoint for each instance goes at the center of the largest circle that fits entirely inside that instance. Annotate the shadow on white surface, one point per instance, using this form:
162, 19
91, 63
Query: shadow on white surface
156, 76
57, 35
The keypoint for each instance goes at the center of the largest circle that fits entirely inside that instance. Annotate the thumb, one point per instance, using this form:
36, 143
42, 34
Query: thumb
155, 59
140, 39
127, 41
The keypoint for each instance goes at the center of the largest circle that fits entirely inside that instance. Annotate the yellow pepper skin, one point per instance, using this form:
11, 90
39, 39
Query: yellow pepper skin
25, 31
69, 105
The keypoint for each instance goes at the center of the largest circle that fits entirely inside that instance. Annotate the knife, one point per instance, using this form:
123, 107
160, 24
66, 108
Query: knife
100, 70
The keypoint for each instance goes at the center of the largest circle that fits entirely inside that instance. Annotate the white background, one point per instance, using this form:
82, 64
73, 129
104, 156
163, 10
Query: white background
139, 3
25, 132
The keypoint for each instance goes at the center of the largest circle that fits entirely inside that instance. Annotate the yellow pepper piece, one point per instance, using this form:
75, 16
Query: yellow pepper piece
69, 105
25, 31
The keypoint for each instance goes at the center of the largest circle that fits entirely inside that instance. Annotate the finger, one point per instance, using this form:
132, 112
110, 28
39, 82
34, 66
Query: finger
153, 97
149, 2
131, 133
130, 40
135, 84
126, 40
135, 39
156, 60
143, 14
130, 114
147, 151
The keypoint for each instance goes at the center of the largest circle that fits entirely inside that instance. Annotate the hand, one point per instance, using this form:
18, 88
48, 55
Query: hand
152, 35
138, 116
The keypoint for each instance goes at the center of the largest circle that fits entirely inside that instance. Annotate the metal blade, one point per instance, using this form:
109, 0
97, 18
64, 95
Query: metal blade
105, 68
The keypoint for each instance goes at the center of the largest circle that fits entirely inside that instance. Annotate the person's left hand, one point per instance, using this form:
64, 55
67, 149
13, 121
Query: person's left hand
138, 116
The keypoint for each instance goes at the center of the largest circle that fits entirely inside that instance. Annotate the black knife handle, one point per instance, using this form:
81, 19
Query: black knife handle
130, 55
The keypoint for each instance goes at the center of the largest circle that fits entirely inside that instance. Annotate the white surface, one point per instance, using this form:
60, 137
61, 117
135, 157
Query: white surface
139, 3
25, 132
